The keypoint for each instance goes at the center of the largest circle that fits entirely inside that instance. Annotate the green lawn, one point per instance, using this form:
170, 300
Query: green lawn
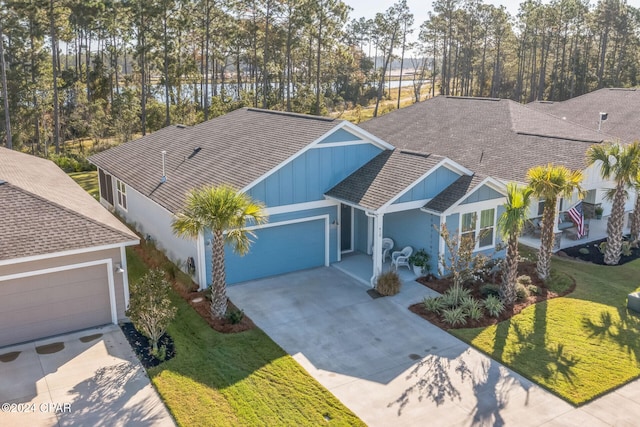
88, 181
236, 379
579, 346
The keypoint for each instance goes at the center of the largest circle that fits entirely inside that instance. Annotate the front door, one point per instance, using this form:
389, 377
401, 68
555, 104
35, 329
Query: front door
346, 222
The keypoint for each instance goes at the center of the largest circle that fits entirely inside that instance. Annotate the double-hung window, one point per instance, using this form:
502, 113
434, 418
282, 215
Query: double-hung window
122, 194
479, 227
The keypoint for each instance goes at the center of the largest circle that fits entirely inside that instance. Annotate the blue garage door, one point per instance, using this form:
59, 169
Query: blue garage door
279, 249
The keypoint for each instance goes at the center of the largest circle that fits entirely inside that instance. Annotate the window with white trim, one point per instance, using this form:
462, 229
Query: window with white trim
482, 231
121, 190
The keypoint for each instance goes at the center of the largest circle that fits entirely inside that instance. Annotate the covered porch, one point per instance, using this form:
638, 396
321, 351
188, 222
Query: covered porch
360, 266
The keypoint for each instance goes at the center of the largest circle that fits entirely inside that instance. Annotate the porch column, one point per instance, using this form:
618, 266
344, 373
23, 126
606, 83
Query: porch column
377, 246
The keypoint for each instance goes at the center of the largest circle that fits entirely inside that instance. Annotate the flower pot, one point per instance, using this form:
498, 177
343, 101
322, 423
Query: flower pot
417, 270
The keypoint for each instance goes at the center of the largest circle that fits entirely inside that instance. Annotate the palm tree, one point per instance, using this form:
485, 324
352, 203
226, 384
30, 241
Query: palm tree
548, 183
227, 213
511, 223
618, 163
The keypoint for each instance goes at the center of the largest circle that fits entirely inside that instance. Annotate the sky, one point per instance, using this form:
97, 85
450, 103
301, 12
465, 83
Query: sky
421, 8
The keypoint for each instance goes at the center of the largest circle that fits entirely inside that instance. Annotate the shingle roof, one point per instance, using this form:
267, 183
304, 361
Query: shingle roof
45, 211
622, 106
235, 149
383, 178
454, 192
492, 137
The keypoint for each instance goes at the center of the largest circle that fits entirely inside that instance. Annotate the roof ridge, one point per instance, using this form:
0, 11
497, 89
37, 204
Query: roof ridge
291, 114
71, 211
474, 98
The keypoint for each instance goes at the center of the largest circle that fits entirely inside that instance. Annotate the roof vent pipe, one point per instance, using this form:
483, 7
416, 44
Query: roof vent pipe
164, 175
603, 117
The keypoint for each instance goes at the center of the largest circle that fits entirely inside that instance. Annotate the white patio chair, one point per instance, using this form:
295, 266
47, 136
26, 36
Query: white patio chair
387, 247
400, 258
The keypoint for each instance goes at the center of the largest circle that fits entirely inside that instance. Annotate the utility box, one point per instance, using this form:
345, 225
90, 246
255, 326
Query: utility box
633, 301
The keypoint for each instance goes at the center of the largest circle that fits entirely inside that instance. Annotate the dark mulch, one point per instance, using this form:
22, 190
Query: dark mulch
142, 348
220, 325
441, 285
595, 256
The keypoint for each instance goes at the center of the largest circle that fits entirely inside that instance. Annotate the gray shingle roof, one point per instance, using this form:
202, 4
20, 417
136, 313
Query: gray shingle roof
622, 106
383, 178
454, 192
45, 211
492, 137
235, 149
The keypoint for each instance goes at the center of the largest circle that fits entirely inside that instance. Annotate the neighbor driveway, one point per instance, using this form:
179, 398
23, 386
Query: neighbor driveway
89, 378
391, 367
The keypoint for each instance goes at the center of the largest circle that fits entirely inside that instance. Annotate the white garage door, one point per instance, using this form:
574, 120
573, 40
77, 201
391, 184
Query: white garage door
53, 303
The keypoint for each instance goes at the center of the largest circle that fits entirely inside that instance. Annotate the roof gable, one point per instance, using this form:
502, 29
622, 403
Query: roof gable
467, 189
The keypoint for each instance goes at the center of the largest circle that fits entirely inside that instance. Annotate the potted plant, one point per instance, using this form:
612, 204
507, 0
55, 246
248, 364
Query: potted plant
598, 211
420, 262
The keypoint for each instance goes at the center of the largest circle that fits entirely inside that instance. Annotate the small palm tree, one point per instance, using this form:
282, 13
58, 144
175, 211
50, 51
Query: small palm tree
511, 223
548, 183
620, 164
227, 213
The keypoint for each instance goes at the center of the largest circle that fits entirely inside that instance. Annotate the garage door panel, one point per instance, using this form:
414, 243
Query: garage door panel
49, 304
278, 250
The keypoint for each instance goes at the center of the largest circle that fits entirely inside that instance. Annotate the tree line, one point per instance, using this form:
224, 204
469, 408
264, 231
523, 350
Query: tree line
114, 68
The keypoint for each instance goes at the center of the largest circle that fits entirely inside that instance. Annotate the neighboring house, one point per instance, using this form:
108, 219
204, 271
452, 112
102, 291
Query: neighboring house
331, 187
612, 111
62, 255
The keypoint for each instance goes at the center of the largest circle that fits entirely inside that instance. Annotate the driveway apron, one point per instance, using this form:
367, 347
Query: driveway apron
392, 367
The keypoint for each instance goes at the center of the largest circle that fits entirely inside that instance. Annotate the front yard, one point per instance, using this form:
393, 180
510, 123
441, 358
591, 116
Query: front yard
579, 346
236, 379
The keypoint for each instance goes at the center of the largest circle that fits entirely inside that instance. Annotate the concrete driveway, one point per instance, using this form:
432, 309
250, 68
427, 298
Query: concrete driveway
391, 367
87, 378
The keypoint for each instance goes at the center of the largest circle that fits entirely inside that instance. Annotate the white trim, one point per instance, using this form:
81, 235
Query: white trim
478, 228
443, 162
339, 233
107, 261
202, 268
346, 202
369, 233
66, 253
361, 133
276, 210
122, 195
441, 246
407, 206
351, 247
327, 235
316, 144
489, 182
477, 206
125, 276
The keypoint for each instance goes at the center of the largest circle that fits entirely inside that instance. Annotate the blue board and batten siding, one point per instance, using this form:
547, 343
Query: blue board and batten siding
431, 186
297, 239
414, 228
307, 177
481, 194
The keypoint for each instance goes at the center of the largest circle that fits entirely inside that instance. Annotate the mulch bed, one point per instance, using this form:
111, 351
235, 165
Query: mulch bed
441, 285
594, 255
220, 325
142, 348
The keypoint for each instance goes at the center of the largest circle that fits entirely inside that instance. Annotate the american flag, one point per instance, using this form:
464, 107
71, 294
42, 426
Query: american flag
577, 217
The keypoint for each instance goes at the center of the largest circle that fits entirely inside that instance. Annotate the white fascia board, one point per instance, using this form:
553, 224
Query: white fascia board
456, 167
358, 131
348, 203
490, 182
66, 253
431, 211
276, 210
407, 206
444, 162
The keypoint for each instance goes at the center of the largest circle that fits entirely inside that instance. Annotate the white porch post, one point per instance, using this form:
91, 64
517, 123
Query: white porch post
441, 246
377, 246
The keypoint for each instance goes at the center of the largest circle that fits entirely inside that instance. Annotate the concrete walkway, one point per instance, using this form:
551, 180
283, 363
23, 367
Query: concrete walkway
393, 368
87, 378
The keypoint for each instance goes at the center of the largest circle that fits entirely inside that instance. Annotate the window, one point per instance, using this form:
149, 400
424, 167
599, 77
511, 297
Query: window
122, 194
483, 230
106, 189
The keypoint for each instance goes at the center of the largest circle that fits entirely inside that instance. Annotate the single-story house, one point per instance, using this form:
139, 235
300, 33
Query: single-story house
331, 187
62, 254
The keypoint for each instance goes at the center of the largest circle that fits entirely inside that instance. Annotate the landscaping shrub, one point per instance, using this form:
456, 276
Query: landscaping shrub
388, 283
490, 289
72, 163
475, 311
533, 290
454, 316
235, 316
626, 248
433, 305
454, 295
493, 305
584, 251
524, 280
521, 292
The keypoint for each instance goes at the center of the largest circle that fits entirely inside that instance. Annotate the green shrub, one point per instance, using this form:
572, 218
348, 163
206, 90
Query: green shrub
475, 312
533, 290
454, 316
235, 316
454, 295
602, 247
524, 280
559, 282
490, 289
388, 283
160, 354
72, 162
521, 292
433, 305
493, 305
626, 248
584, 251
